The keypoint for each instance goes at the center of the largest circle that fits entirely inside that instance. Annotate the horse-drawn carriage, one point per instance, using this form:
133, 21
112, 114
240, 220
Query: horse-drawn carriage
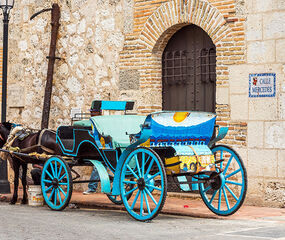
134, 155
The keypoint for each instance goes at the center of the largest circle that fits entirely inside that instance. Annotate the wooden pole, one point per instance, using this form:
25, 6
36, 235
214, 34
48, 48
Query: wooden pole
55, 16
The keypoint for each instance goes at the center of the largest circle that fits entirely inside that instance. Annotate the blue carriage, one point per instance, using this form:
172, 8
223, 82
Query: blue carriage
135, 155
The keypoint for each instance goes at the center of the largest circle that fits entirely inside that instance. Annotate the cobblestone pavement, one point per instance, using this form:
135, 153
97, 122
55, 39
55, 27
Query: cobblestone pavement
26, 223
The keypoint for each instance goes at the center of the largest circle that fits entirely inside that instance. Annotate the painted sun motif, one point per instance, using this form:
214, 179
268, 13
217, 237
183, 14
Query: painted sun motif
180, 116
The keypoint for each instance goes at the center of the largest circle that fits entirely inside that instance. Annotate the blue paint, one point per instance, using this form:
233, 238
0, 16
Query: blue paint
104, 176
114, 105
222, 133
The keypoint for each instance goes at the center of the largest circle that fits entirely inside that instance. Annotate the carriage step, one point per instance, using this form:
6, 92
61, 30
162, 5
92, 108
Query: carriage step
103, 174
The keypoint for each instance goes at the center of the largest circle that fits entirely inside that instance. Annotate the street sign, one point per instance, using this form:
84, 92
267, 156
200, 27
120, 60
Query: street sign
262, 85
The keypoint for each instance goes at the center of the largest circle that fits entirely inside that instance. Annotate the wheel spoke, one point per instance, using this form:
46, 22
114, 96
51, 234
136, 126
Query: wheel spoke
207, 189
221, 157
149, 194
226, 198
59, 171
135, 175
141, 208
49, 198
213, 196
228, 164
151, 186
59, 197
47, 181
220, 199
143, 163
235, 183
152, 177
55, 197
51, 177
55, 168
231, 192
135, 200
138, 166
149, 167
64, 194
52, 169
233, 173
62, 177
129, 192
49, 188
146, 201
130, 182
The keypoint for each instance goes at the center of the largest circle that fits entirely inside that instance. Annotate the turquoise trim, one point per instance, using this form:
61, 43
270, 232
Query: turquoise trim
104, 176
222, 133
114, 105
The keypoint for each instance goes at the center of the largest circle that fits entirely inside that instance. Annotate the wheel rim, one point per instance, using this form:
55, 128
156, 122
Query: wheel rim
148, 184
227, 193
55, 183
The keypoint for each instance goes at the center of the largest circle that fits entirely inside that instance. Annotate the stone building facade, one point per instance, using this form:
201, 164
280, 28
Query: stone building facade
112, 49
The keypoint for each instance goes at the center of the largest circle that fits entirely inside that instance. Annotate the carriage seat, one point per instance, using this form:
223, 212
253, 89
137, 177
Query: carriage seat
117, 126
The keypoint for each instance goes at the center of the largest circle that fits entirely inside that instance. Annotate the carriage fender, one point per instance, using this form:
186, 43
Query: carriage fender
222, 133
145, 135
103, 174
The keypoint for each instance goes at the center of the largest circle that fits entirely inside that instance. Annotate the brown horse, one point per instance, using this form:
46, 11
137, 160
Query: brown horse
40, 142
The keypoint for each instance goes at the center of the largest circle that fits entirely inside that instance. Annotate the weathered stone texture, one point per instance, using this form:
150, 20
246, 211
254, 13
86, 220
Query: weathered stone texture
129, 80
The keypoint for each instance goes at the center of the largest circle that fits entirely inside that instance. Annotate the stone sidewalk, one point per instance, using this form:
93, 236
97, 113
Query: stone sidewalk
176, 204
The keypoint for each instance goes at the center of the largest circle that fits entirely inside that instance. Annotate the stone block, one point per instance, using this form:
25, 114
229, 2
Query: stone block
255, 134
261, 52
239, 107
274, 26
129, 79
262, 109
262, 163
275, 134
280, 50
238, 77
281, 106
254, 27
263, 6
281, 164
222, 95
243, 153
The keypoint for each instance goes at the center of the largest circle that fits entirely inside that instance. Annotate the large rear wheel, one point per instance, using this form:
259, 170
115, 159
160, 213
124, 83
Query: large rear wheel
226, 194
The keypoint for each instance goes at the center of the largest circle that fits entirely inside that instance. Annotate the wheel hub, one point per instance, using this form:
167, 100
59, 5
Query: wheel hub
55, 182
219, 180
141, 183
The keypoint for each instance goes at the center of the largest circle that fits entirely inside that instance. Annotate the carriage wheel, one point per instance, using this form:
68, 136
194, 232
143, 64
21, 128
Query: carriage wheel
144, 170
56, 183
117, 199
226, 194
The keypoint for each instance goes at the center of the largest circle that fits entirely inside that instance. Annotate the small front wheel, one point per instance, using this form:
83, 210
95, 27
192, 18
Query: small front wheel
144, 170
56, 182
225, 195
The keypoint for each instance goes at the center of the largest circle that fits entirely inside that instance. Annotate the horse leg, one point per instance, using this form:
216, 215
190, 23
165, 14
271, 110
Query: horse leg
16, 167
24, 183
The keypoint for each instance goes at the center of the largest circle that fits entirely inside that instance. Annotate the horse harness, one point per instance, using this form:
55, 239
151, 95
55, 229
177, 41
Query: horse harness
21, 133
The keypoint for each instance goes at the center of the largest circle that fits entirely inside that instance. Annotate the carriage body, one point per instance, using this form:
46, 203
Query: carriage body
142, 150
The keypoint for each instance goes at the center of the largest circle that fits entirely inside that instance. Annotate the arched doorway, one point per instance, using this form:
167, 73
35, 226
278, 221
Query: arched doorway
189, 71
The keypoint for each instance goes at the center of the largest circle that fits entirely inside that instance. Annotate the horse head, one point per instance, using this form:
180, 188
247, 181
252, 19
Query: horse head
5, 129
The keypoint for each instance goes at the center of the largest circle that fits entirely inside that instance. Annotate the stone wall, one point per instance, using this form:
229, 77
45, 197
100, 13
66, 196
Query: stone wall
111, 49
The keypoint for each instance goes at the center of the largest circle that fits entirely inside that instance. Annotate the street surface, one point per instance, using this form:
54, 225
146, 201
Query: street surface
26, 223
